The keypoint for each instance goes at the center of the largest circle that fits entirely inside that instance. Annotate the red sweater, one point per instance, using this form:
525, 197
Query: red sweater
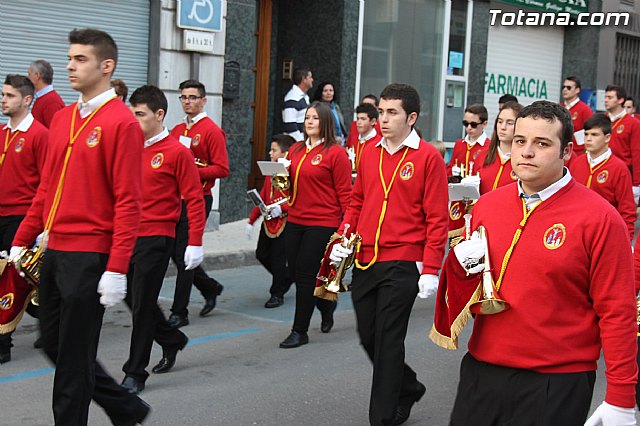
352, 138
503, 172
46, 106
21, 168
270, 195
625, 144
612, 180
99, 209
570, 285
169, 172
359, 147
209, 145
321, 195
459, 155
415, 223
580, 113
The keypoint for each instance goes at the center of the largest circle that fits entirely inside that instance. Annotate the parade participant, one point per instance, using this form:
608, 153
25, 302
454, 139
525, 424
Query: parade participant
579, 110
625, 134
24, 148
88, 204
271, 252
506, 98
352, 137
168, 174
209, 147
320, 175
630, 107
366, 121
496, 170
551, 237
603, 172
399, 207
121, 89
46, 100
296, 102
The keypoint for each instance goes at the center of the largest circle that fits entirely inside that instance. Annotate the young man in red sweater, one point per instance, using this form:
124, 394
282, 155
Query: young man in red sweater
46, 100
168, 175
578, 110
561, 258
208, 145
88, 205
366, 122
401, 215
23, 149
352, 137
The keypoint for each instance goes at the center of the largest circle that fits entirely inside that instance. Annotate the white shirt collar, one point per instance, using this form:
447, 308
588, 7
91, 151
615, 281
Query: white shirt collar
412, 141
615, 117
569, 106
371, 134
195, 119
482, 139
310, 145
86, 108
537, 198
23, 126
296, 93
595, 161
157, 138
40, 93
504, 156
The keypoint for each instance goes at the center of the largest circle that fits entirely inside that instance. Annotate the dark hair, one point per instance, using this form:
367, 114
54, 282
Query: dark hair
575, 80
43, 68
120, 88
327, 125
620, 92
299, 74
598, 121
407, 94
479, 110
317, 95
370, 96
492, 151
193, 84
103, 44
630, 98
550, 112
284, 141
21, 83
370, 110
151, 96
507, 98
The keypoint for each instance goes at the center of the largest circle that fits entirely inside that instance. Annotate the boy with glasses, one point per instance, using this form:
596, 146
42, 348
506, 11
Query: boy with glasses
578, 110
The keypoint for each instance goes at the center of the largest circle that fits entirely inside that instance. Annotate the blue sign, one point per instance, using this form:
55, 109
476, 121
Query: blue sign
203, 15
455, 59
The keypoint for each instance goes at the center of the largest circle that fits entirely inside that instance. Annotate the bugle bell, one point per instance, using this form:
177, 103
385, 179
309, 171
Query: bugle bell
28, 264
489, 303
280, 182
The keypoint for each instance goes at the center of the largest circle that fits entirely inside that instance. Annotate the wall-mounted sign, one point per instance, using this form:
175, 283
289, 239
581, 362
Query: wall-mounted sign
573, 7
197, 41
202, 15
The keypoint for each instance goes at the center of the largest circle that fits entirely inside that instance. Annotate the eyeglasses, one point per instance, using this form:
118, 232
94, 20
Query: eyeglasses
190, 98
568, 87
473, 124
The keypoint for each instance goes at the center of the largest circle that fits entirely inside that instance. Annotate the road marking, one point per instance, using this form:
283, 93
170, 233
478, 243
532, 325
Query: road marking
26, 375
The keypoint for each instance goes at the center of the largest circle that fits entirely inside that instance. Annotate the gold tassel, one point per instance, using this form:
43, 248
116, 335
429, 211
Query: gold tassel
451, 343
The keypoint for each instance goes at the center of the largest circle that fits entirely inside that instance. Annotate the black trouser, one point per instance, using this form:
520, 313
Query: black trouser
491, 395
198, 277
305, 247
271, 253
383, 297
70, 323
146, 272
8, 228
638, 383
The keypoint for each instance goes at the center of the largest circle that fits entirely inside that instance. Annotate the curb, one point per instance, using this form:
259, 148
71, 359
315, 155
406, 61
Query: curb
218, 261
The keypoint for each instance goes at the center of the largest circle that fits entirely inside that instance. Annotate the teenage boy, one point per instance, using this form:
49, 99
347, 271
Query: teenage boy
603, 172
352, 137
271, 249
168, 174
578, 110
366, 121
630, 107
399, 207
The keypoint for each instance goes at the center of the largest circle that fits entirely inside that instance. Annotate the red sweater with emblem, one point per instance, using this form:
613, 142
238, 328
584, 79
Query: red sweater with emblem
459, 155
612, 180
21, 168
625, 144
359, 147
45, 107
271, 195
99, 209
569, 282
415, 222
496, 174
580, 113
320, 191
169, 172
352, 138
209, 145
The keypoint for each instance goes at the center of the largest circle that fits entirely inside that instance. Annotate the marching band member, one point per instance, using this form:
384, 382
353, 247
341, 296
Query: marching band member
168, 172
366, 122
399, 207
320, 174
88, 205
561, 259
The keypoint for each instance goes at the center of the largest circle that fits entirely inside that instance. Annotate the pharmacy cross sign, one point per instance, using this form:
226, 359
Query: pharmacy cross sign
203, 15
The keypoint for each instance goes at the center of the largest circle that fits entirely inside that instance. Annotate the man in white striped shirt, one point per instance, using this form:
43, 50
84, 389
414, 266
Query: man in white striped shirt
296, 102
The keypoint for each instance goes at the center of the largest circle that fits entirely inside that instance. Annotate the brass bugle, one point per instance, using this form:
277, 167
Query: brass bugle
28, 264
280, 182
489, 304
201, 163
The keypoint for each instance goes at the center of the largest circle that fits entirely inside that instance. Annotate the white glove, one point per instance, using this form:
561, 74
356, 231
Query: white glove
284, 161
41, 240
193, 257
470, 253
15, 253
4, 254
112, 288
636, 193
248, 230
427, 285
338, 252
276, 211
610, 415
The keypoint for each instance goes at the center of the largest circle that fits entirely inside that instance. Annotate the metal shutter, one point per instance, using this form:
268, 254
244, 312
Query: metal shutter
35, 29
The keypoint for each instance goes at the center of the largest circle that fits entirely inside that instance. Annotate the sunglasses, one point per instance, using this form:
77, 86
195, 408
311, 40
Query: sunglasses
473, 124
568, 87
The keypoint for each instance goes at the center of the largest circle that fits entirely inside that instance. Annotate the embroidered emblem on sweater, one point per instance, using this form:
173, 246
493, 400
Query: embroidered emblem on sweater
407, 170
574, 116
620, 129
554, 237
19, 145
94, 137
316, 160
196, 140
513, 175
157, 160
6, 302
455, 211
602, 177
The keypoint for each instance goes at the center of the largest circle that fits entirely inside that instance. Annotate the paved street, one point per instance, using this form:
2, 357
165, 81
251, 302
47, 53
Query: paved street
233, 373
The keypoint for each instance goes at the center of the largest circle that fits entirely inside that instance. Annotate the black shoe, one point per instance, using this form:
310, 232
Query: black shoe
139, 416
132, 385
168, 358
5, 356
327, 320
274, 302
404, 409
294, 340
210, 302
177, 321
38, 343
